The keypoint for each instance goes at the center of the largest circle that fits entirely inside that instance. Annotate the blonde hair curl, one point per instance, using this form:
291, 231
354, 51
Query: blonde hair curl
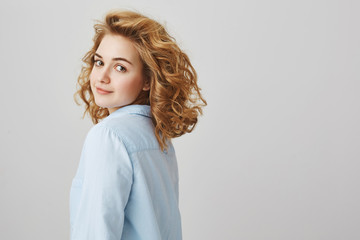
174, 97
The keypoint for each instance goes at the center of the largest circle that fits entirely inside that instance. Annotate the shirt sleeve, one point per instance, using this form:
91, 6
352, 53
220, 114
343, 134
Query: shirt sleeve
106, 187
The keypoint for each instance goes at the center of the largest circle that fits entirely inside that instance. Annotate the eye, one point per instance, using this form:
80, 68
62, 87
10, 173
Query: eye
98, 63
120, 68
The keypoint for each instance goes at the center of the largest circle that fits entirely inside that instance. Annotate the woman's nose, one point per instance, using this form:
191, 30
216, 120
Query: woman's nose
104, 76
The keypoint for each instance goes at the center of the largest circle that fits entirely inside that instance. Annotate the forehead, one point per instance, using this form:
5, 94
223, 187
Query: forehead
112, 46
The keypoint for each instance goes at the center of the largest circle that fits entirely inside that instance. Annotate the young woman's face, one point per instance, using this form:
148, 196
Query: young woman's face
116, 78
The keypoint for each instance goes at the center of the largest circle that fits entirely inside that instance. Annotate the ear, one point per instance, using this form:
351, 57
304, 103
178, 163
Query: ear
146, 86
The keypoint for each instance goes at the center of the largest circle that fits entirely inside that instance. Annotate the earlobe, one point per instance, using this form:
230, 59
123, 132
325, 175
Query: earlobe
146, 86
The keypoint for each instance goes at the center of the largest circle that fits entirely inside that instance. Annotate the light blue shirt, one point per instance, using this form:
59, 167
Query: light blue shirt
125, 187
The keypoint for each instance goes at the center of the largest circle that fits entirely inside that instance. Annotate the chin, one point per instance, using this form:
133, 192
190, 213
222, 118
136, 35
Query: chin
101, 104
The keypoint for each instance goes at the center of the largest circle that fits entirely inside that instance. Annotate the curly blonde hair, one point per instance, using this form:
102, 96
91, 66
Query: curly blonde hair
174, 97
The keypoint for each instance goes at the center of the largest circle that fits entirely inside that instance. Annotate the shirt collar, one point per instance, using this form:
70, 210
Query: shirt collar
143, 110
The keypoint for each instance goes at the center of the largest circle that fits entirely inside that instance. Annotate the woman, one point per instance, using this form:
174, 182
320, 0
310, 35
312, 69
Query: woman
143, 88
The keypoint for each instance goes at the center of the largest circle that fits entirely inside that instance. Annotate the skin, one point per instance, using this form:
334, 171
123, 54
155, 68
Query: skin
117, 77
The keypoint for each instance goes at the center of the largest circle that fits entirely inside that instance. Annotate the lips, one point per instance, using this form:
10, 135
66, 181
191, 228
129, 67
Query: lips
102, 91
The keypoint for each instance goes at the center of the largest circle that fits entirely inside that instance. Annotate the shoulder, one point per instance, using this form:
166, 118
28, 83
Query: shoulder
135, 131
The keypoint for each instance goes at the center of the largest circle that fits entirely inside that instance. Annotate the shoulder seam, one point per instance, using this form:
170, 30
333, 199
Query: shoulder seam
121, 138
125, 142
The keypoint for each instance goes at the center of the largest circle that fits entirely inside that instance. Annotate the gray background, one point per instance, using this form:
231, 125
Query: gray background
276, 154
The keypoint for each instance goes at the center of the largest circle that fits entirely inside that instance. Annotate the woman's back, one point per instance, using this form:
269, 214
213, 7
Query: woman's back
125, 185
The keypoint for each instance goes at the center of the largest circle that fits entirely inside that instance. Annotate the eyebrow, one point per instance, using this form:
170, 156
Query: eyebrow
115, 59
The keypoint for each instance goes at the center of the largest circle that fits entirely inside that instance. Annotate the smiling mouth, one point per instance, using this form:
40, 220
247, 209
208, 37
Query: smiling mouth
102, 91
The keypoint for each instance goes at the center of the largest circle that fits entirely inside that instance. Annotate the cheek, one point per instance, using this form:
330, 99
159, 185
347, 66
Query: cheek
131, 87
91, 77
